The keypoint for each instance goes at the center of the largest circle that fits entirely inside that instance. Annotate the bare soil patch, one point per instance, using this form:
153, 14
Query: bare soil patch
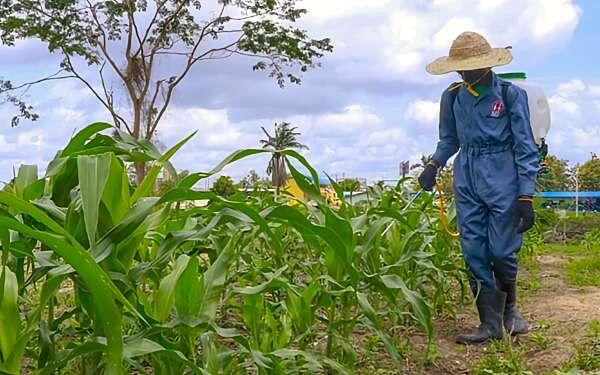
557, 311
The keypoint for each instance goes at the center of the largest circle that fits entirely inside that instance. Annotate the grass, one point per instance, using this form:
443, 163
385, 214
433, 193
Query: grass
567, 249
502, 358
540, 340
584, 271
587, 354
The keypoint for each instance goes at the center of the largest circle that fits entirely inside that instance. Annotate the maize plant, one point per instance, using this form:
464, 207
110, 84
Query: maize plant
99, 276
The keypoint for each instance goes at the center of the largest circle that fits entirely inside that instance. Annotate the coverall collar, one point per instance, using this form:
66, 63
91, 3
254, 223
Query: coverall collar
494, 84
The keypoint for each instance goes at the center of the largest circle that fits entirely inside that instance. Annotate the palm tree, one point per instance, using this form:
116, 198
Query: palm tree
285, 137
351, 185
425, 159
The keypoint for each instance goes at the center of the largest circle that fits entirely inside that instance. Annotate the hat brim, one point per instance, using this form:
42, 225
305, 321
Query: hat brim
447, 64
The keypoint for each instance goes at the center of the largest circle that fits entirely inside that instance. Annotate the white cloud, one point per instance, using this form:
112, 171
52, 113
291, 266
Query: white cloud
559, 103
424, 112
331, 9
550, 19
32, 138
371, 104
398, 38
594, 90
5, 146
564, 99
354, 118
571, 88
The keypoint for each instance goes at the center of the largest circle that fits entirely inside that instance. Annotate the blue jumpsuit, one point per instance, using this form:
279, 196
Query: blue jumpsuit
497, 162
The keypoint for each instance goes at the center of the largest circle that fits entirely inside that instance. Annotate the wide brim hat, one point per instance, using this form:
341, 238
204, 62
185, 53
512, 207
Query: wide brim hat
470, 51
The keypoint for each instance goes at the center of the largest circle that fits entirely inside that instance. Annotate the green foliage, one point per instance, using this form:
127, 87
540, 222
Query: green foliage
589, 175
110, 278
540, 340
224, 186
253, 181
501, 359
169, 183
350, 184
587, 357
591, 242
583, 271
285, 137
139, 33
557, 178
587, 353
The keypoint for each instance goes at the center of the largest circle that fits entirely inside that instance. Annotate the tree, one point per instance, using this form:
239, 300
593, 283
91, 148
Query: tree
224, 187
425, 159
285, 137
589, 175
557, 178
170, 182
351, 185
254, 181
130, 39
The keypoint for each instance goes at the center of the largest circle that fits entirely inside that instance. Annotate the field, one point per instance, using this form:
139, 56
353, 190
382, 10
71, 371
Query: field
100, 276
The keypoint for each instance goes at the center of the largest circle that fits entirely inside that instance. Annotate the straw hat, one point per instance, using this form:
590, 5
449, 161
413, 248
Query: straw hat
468, 52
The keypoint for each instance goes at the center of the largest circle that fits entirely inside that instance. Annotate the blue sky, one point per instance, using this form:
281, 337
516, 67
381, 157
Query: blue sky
371, 104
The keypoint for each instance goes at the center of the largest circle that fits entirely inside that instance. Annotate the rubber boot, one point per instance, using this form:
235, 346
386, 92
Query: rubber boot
513, 320
490, 305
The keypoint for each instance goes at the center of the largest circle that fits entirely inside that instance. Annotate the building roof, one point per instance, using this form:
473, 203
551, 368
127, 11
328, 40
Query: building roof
322, 180
568, 194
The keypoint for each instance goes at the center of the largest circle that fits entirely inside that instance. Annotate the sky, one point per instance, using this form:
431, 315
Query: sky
369, 106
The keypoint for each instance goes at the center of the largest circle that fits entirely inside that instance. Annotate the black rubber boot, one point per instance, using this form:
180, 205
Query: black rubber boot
513, 320
490, 305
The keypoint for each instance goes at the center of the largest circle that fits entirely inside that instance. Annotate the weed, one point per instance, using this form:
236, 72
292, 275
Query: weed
540, 340
503, 358
594, 327
530, 286
544, 324
574, 249
583, 272
587, 357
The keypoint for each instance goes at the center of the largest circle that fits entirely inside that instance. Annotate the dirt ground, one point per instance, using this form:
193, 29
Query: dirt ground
555, 311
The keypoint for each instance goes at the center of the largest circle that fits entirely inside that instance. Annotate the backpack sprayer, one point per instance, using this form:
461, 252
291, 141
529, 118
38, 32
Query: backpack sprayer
540, 120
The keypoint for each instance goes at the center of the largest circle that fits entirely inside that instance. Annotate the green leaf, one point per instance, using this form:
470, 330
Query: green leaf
93, 174
27, 176
145, 188
116, 196
188, 291
77, 143
165, 296
420, 309
213, 280
375, 325
95, 279
10, 324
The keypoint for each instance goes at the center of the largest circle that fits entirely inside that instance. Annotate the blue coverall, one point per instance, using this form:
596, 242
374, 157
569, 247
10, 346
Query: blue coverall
497, 162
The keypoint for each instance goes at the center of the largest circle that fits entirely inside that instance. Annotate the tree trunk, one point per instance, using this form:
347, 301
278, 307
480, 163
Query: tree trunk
140, 167
140, 172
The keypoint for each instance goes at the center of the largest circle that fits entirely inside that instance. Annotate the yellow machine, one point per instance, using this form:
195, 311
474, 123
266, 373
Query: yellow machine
326, 191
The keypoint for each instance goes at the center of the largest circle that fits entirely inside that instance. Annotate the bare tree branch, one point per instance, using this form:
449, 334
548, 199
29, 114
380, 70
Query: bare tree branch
89, 86
27, 85
110, 102
103, 44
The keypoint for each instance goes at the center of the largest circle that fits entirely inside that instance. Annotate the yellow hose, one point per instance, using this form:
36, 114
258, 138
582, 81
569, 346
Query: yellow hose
443, 217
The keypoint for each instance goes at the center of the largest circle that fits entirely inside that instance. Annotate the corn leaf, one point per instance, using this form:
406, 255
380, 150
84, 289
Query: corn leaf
93, 174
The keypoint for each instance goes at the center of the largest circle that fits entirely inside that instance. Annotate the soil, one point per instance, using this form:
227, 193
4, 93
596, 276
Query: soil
557, 311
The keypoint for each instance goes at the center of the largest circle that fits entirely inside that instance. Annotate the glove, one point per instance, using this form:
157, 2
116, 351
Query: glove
427, 177
525, 214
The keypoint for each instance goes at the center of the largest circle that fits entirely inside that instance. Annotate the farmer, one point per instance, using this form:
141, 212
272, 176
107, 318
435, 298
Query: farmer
486, 120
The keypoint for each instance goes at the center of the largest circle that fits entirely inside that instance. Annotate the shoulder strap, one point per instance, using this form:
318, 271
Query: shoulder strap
453, 92
505, 86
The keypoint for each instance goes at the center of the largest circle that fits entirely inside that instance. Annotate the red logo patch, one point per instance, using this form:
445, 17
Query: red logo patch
497, 108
